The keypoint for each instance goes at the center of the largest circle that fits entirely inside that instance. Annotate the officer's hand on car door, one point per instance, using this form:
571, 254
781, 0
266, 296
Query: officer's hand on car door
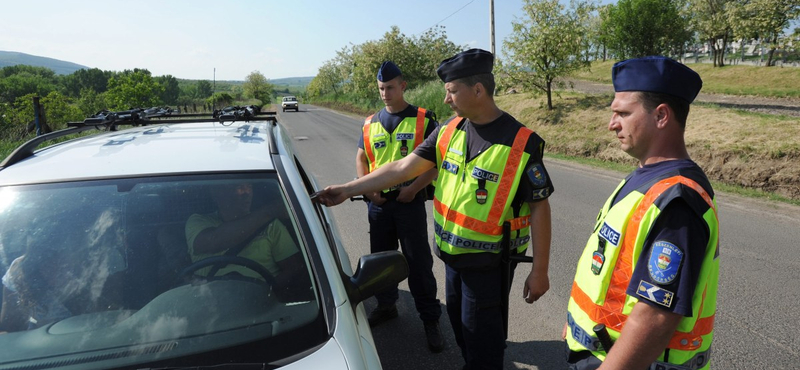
330, 196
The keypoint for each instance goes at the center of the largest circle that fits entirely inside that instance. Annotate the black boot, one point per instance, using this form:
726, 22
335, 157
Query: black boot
434, 336
381, 314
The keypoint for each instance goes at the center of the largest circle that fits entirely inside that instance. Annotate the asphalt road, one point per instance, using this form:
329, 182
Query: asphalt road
757, 311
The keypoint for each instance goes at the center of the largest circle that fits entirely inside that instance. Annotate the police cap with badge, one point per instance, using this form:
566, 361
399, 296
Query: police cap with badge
656, 74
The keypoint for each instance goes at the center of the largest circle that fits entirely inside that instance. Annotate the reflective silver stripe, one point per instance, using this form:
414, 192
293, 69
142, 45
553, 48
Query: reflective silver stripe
461, 242
697, 362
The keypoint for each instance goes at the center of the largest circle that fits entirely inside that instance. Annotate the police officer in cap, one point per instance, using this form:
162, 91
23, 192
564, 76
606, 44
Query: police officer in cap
397, 213
490, 172
645, 289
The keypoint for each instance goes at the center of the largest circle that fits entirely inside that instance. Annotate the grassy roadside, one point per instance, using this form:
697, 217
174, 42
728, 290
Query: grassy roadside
754, 155
750, 154
773, 82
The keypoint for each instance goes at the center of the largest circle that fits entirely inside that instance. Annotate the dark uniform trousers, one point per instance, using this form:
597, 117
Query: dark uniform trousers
406, 222
474, 304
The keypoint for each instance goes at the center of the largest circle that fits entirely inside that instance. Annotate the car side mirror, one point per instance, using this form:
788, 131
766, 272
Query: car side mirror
376, 272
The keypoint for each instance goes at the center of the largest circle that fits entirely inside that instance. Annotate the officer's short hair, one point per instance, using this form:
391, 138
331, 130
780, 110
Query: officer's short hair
680, 107
485, 79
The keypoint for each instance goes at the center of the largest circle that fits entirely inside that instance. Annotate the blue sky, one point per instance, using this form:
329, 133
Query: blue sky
190, 39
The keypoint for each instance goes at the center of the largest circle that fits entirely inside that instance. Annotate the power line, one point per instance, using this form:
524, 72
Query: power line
452, 14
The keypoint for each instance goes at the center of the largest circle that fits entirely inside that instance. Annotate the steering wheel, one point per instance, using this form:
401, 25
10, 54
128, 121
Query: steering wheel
229, 260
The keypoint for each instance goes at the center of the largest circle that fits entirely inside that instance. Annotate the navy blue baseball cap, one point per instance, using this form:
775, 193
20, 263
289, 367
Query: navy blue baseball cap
388, 71
466, 63
656, 74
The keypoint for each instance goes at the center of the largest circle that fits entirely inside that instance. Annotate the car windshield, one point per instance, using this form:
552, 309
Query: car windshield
105, 274
290, 99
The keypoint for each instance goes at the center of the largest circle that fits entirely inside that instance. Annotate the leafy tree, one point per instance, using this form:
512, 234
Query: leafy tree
133, 89
94, 79
418, 58
765, 20
171, 90
59, 109
44, 72
257, 86
20, 80
204, 89
220, 100
188, 94
637, 28
353, 70
91, 102
545, 45
712, 22
595, 39
328, 79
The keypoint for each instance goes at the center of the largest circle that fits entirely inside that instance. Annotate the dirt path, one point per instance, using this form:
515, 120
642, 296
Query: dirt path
788, 107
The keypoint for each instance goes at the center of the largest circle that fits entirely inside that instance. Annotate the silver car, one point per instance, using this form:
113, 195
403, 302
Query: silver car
109, 261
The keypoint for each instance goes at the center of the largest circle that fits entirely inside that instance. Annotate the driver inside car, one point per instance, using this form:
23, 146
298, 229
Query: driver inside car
256, 234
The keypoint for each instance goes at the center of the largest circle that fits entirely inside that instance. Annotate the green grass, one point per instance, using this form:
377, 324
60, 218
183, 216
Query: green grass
775, 82
431, 97
743, 150
624, 169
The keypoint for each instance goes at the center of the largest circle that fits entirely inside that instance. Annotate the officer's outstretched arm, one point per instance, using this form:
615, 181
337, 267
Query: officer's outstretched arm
645, 335
408, 193
382, 178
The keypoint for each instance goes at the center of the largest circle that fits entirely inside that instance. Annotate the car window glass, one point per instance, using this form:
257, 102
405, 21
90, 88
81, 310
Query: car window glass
95, 266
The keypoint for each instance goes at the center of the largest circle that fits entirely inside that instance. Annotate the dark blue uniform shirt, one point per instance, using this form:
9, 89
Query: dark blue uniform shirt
668, 267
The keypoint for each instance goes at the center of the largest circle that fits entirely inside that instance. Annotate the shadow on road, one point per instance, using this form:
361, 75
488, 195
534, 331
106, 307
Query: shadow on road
401, 344
541, 355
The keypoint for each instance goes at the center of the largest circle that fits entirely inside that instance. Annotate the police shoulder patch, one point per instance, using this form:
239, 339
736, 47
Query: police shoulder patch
665, 262
537, 175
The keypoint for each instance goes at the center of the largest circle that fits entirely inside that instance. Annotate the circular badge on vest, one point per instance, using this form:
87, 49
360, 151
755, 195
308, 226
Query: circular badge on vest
665, 262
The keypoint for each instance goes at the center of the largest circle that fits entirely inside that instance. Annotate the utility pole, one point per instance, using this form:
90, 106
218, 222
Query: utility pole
214, 90
491, 25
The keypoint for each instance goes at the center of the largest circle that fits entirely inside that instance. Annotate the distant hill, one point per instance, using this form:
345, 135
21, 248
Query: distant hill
292, 81
11, 58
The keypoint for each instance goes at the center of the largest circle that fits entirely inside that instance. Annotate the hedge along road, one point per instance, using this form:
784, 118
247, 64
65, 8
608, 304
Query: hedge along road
755, 323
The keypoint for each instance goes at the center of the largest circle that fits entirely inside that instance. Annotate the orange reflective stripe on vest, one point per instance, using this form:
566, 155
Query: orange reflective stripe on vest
444, 141
420, 129
492, 224
367, 143
610, 313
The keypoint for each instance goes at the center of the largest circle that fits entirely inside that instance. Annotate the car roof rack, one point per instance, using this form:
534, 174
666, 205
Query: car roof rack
108, 121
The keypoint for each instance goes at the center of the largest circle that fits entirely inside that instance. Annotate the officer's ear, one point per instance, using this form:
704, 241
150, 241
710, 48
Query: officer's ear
662, 114
478, 89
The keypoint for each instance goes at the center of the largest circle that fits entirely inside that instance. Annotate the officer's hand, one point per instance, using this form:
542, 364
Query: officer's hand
406, 195
535, 287
330, 196
376, 198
